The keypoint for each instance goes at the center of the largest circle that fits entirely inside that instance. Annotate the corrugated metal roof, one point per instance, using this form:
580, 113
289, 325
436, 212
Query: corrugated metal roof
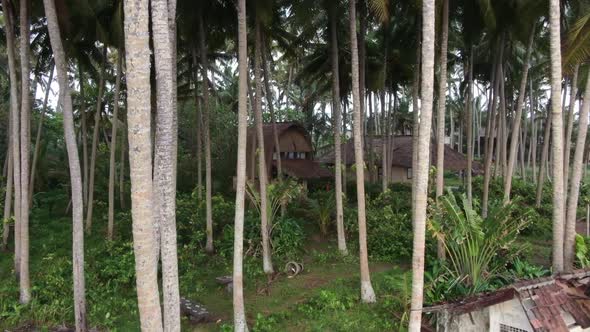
544, 300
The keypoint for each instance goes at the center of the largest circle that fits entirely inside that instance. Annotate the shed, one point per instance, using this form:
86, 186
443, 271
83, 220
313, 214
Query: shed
296, 152
559, 304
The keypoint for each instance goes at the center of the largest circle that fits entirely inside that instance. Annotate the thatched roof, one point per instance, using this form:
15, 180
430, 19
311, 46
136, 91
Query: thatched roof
292, 138
402, 154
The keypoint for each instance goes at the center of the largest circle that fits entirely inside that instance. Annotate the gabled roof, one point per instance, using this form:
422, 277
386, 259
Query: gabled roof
543, 300
300, 142
402, 154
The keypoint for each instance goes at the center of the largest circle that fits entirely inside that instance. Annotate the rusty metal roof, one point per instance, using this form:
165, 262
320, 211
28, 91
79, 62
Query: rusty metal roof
544, 300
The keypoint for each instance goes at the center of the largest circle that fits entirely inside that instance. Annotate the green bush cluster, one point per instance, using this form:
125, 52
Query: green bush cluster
110, 289
287, 238
389, 226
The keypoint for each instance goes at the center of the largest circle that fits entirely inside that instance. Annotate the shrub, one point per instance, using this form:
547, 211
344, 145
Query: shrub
389, 234
520, 269
286, 236
582, 252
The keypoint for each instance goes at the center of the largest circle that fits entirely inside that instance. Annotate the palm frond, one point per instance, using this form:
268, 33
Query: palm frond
577, 48
380, 9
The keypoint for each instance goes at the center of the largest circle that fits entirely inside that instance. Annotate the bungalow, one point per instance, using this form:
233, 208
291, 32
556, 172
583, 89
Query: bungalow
401, 159
557, 304
296, 152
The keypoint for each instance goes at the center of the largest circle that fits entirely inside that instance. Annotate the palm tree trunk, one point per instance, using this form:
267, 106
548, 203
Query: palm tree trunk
163, 34
137, 60
440, 116
15, 128
111, 220
371, 135
345, 152
578, 164
367, 293
421, 173
199, 135
522, 149
38, 138
262, 169
415, 111
7, 198
206, 135
269, 99
361, 37
469, 122
74, 165
489, 151
534, 138
517, 119
384, 146
240, 324
569, 129
25, 145
337, 129
123, 147
95, 143
544, 157
557, 147
84, 136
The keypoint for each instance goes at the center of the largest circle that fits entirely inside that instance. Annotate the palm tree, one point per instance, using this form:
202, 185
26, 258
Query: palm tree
115, 121
25, 139
15, 126
165, 155
469, 125
421, 173
572, 202
8, 194
238, 289
557, 136
205, 133
84, 136
90, 201
38, 138
440, 116
544, 156
569, 128
367, 292
337, 126
518, 118
137, 63
497, 73
262, 173
74, 165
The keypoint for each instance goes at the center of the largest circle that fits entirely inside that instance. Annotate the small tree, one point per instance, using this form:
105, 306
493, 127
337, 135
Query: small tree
322, 208
278, 193
476, 247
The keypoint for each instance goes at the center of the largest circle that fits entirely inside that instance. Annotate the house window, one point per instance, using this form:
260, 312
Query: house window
508, 328
409, 171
